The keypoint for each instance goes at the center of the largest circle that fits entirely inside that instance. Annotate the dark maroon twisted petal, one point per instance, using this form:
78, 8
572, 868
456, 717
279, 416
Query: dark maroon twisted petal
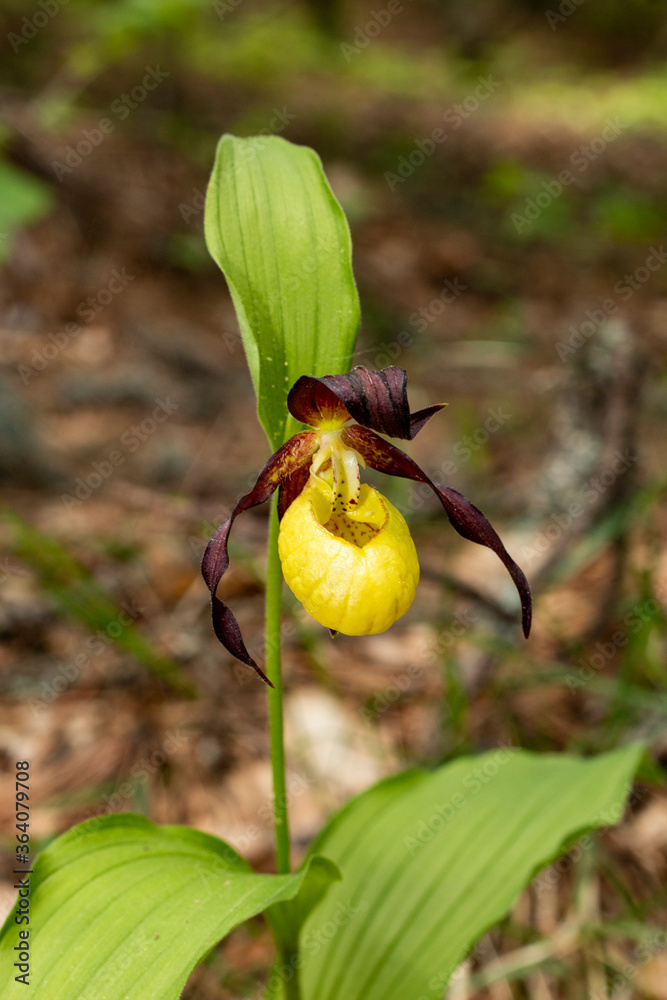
467, 519
283, 465
375, 399
314, 403
291, 487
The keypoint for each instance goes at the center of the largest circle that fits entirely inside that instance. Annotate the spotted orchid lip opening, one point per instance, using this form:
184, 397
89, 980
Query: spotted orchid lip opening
346, 552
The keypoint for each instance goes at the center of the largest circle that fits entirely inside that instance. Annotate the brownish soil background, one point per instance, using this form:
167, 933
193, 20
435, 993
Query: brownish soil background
534, 434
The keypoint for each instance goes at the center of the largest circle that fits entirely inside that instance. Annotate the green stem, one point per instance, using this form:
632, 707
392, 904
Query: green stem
291, 988
287, 952
274, 582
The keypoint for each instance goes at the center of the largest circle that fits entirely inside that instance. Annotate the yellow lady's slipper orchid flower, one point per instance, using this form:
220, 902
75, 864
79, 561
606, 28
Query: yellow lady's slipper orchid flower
354, 569
346, 552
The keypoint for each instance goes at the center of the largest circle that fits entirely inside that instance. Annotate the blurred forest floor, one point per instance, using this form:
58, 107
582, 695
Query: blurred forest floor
534, 303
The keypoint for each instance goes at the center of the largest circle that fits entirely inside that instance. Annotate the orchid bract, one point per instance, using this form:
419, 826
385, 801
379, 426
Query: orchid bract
346, 552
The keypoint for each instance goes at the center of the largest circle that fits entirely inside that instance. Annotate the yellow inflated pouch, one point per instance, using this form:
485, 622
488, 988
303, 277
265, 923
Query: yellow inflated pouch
353, 565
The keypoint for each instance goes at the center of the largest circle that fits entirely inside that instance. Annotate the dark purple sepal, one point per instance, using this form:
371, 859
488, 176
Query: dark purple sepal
421, 417
291, 487
295, 454
314, 403
469, 521
465, 518
375, 399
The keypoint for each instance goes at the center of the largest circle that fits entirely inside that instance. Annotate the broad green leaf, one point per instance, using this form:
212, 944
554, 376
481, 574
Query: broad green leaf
288, 918
431, 861
281, 239
121, 909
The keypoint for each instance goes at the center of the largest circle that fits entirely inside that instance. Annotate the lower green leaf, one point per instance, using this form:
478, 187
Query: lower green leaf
288, 918
121, 909
431, 861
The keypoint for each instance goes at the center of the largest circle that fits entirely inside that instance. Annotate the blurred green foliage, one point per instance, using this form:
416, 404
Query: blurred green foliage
74, 590
24, 200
